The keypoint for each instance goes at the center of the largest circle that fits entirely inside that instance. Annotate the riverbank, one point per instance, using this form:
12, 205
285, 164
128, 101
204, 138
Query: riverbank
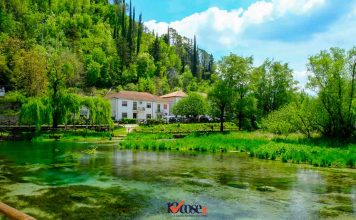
292, 148
81, 135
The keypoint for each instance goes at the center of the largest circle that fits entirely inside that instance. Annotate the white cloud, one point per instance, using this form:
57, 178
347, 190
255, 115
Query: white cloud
227, 26
258, 12
223, 31
295, 6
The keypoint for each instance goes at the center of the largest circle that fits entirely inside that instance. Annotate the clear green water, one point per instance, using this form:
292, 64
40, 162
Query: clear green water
60, 181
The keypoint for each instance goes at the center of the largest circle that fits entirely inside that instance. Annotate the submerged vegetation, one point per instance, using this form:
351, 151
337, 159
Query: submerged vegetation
82, 202
292, 148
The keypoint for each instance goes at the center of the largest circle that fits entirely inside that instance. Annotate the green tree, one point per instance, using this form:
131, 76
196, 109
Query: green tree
100, 110
333, 79
221, 96
193, 105
195, 58
273, 86
236, 71
155, 49
63, 71
298, 116
139, 34
30, 69
35, 111
69, 107
145, 66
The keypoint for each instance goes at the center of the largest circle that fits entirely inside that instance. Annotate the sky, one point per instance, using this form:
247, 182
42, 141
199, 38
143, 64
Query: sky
284, 30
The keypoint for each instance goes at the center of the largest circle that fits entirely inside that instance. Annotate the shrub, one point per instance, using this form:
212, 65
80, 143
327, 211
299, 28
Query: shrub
153, 121
278, 122
128, 121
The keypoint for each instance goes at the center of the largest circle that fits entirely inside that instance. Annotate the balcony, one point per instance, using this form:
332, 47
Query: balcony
139, 109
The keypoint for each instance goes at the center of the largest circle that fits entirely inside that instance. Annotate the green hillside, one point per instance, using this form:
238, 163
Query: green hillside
93, 44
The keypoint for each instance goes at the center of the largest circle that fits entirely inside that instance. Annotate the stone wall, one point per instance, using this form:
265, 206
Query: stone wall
9, 120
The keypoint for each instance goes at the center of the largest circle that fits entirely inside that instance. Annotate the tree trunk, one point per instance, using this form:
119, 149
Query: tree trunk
350, 114
240, 116
55, 119
55, 101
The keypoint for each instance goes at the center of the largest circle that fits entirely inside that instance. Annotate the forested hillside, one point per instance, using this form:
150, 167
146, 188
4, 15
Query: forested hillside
89, 44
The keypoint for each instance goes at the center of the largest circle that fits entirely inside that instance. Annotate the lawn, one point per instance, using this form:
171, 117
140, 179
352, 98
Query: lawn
185, 128
293, 148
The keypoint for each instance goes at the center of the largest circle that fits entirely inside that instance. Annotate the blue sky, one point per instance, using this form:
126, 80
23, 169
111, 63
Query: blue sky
285, 30
172, 10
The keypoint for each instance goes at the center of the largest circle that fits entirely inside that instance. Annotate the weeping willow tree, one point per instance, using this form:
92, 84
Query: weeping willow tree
100, 111
36, 112
69, 108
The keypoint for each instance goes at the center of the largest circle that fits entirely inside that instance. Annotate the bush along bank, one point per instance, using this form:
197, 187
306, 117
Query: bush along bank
258, 146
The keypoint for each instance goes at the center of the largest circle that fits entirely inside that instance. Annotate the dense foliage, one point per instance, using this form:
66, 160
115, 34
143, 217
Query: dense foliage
92, 44
332, 111
247, 95
191, 106
38, 111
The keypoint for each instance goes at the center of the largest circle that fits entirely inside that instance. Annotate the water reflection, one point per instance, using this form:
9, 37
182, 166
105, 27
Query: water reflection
231, 185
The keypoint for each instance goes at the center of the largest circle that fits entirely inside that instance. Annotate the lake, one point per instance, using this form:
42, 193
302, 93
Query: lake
57, 180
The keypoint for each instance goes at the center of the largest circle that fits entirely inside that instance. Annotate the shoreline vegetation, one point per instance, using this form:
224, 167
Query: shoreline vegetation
293, 148
67, 135
205, 137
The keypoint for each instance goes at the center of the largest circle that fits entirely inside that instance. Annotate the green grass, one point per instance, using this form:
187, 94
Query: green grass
148, 136
292, 148
79, 135
184, 128
120, 131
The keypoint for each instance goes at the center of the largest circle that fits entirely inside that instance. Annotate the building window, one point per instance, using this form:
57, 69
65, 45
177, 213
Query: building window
158, 107
134, 115
134, 107
148, 105
165, 106
148, 116
124, 115
124, 103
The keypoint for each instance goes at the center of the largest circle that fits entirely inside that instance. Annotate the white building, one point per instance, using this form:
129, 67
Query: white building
137, 105
173, 98
2, 91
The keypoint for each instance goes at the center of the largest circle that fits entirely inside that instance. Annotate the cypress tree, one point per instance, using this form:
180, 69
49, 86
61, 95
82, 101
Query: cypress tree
123, 26
156, 49
195, 58
133, 33
167, 38
139, 34
129, 35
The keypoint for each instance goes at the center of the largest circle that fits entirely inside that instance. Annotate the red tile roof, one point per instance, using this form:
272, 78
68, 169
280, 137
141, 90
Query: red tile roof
175, 94
132, 95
